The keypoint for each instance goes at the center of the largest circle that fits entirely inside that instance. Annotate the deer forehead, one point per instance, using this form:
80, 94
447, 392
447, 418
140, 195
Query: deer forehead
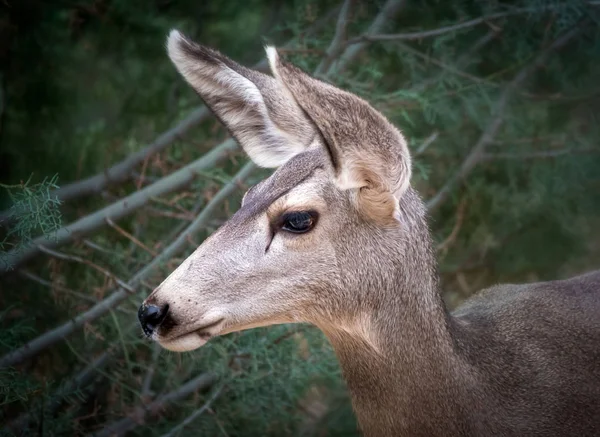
293, 176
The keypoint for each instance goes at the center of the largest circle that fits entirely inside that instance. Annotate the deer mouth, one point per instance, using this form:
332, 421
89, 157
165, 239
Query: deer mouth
209, 330
193, 339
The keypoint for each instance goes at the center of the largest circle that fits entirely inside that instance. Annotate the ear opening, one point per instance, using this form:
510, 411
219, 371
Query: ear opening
368, 154
258, 112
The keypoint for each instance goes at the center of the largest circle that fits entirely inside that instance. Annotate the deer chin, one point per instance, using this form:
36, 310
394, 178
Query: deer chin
183, 343
193, 339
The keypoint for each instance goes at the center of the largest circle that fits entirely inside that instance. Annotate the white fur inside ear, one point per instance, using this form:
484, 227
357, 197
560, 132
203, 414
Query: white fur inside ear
202, 75
273, 58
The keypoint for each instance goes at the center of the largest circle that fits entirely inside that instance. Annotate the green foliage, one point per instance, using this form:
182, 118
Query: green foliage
88, 83
34, 210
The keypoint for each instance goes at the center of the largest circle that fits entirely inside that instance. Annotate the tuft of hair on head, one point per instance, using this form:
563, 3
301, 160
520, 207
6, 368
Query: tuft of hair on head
273, 58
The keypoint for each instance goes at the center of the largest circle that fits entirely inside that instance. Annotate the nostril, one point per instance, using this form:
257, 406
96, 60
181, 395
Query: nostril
151, 316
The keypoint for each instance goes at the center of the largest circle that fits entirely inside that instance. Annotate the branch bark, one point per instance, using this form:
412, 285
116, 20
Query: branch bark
411, 36
59, 333
65, 290
542, 154
336, 47
122, 171
120, 427
477, 152
147, 383
389, 11
121, 208
82, 379
195, 414
87, 262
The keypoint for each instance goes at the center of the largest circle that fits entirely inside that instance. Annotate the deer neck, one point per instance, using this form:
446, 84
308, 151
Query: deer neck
399, 356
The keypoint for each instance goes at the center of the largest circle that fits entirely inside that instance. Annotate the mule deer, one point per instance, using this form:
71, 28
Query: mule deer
336, 237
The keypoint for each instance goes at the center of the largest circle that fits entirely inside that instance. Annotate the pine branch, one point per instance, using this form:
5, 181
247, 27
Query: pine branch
138, 417
539, 154
87, 262
130, 237
447, 67
121, 208
55, 335
411, 36
197, 413
460, 217
336, 47
147, 383
426, 143
389, 11
56, 287
477, 152
82, 379
124, 170
460, 62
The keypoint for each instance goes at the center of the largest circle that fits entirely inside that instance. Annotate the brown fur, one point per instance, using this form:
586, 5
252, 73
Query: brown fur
515, 360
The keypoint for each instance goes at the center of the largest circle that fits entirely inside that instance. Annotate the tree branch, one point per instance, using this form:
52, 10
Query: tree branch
81, 380
460, 62
440, 64
53, 286
336, 47
59, 333
130, 237
147, 383
123, 170
411, 36
121, 208
460, 216
426, 143
195, 414
476, 153
120, 427
387, 14
87, 262
539, 154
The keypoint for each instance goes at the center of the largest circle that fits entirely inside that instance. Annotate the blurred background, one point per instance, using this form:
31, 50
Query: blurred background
112, 172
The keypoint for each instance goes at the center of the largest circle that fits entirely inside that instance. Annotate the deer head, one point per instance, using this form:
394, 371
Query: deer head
320, 238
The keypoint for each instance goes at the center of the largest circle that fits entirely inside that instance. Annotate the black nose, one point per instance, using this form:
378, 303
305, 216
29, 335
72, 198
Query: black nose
151, 317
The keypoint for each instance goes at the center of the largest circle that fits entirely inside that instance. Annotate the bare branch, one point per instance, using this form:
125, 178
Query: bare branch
126, 234
59, 333
426, 143
460, 216
122, 207
120, 427
440, 64
411, 36
476, 153
81, 380
80, 260
60, 288
540, 154
123, 170
99, 248
460, 62
337, 43
387, 14
195, 414
147, 383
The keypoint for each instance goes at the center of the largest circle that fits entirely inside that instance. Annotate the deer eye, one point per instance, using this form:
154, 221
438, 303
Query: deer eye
299, 222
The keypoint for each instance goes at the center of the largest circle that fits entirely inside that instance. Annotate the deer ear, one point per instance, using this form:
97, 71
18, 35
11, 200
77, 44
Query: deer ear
261, 114
368, 154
